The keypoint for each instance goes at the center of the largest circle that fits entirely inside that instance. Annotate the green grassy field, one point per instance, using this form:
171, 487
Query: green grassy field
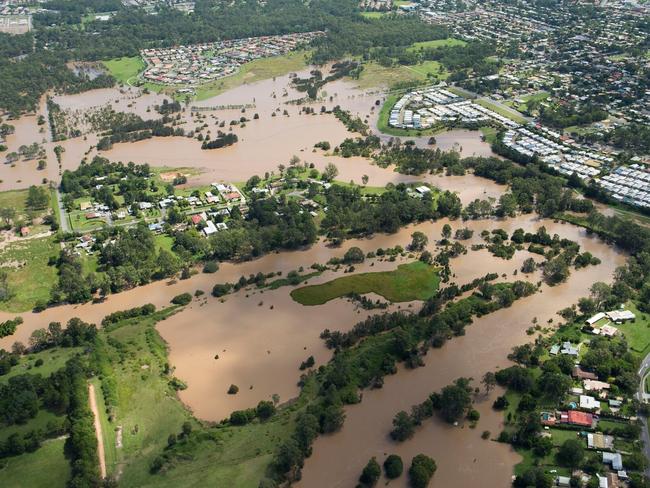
376, 75
17, 200
53, 360
40, 421
637, 333
260, 69
30, 278
45, 468
413, 281
374, 15
490, 134
125, 69
450, 41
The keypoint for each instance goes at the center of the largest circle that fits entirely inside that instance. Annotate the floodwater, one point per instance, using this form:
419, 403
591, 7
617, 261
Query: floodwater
263, 144
259, 348
463, 458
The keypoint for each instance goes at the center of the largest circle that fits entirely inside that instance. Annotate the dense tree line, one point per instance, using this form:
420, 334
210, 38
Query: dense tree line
562, 116
222, 140
350, 214
115, 317
24, 80
137, 129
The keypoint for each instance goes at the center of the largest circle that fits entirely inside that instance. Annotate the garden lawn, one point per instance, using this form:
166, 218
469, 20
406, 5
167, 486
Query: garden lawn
637, 333
413, 281
44, 468
33, 279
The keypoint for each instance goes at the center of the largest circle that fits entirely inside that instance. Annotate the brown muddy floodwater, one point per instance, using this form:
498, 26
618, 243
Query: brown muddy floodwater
263, 347
259, 348
463, 458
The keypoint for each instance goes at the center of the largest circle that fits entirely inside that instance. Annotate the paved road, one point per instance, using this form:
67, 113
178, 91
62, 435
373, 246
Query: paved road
644, 370
65, 225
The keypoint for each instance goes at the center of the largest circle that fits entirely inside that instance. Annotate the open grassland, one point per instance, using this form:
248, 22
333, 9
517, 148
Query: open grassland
450, 41
413, 281
53, 360
125, 69
17, 200
376, 75
260, 69
30, 278
45, 468
147, 409
374, 15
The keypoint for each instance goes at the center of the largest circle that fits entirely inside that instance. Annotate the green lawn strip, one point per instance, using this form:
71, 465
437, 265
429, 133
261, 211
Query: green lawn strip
373, 15
124, 69
163, 241
53, 360
413, 281
500, 110
33, 279
260, 69
45, 468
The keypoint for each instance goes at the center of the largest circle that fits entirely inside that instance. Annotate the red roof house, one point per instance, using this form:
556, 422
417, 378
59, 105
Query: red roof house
582, 419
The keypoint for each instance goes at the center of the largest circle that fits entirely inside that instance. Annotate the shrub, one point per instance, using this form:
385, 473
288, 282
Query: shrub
182, 299
353, 255
211, 267
221, 289
371, 473
393, 466
265, 409
421, 470
233, 390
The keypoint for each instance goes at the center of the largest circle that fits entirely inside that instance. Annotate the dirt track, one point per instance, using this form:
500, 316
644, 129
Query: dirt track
98, 430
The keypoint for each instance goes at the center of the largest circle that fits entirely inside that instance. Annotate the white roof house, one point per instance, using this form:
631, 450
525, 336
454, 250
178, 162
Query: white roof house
595, 318
210, 228
621, 315
589, 403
